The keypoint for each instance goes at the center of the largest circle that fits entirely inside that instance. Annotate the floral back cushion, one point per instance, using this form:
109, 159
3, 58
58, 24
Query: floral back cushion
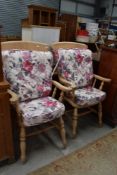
28, 72
75, 65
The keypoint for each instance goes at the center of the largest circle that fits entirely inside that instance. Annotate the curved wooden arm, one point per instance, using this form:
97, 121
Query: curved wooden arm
67, 83
15, 102
61, 87
108, 80
14, 97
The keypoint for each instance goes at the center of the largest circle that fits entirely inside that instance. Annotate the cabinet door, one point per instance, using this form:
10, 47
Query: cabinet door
6, 142
62, 25
45, 18
71, 21
36, 17
3, 152
108, 68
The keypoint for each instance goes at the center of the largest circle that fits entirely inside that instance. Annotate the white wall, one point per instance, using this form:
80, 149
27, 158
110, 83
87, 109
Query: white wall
41, 34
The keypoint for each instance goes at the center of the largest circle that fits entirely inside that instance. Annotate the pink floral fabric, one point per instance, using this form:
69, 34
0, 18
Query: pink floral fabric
89, 96
28, 72
75, 65
41, 110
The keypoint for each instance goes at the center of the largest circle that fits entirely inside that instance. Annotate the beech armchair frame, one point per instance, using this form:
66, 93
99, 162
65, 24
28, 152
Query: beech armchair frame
72, 101
59, 123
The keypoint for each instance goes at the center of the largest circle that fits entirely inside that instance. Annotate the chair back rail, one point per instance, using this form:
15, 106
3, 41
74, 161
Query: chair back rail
68, 45
24, 45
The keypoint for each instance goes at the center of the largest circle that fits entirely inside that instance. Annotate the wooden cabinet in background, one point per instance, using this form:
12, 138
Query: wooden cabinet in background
71, 22
6, 140
108, 68
63, 28
45, 16
40, 15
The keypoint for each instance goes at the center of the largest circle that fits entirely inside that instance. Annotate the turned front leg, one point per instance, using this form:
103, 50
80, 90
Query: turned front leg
22, 144
100, 114
62, 132
74, 122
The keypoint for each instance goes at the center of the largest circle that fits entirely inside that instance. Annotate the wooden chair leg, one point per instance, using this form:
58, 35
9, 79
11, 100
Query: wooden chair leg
100, 114
74, 122
62, 132
22, 144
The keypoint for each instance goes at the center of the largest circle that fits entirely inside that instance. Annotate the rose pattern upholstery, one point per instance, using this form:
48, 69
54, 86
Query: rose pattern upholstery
41, 110
75, 65
89, 96
29, 74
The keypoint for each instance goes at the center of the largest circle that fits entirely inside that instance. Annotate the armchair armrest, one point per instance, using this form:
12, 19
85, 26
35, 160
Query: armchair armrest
61, 87
15, 102
107, 80
14, 97
102, 79
67, 83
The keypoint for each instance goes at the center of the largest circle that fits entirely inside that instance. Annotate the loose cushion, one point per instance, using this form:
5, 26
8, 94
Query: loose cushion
28, 72
89, 96
41, 111
75, 65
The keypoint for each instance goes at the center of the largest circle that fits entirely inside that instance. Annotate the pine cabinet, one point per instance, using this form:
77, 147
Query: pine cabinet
40, 15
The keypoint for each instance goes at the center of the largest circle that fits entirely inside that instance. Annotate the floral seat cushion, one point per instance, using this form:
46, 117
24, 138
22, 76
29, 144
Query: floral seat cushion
28, 72
89, 96
41, 110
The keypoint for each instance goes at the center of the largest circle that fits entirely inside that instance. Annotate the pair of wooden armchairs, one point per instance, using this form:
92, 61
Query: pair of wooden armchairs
27, 66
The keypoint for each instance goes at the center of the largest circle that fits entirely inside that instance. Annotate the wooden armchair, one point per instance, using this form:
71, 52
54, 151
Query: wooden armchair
27, 66
75, 71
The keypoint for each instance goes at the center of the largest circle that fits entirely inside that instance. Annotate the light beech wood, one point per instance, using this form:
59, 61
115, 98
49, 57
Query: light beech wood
15, 99
67, 83
68, 45
24, 45
107, 80
71, 85
62, 132
62, 87
75, 122
100, 114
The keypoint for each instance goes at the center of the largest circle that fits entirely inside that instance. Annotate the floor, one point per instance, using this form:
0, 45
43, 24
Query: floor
47, 148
